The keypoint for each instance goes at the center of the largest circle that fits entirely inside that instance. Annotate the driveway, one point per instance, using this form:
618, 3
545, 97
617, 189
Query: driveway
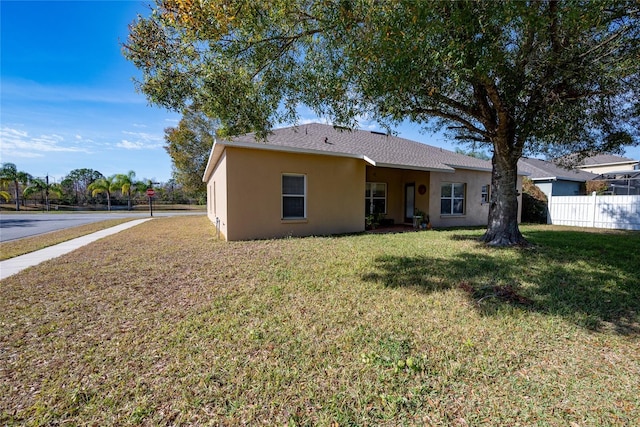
19, 225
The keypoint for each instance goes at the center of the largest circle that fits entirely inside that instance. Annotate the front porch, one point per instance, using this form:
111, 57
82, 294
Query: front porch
396, 195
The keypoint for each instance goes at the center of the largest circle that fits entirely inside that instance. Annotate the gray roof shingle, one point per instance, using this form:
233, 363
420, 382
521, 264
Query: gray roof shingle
384, 150
541, 169
601, 159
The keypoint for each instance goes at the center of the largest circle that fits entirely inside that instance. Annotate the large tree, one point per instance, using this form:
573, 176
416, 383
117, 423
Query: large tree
189, 146
77, 183
520, 77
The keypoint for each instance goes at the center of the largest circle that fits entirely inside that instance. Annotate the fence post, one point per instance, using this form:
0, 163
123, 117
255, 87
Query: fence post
593, 207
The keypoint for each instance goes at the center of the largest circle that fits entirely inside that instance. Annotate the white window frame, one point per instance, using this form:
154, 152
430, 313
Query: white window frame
369, 199
485, 193
453, 198
303, 195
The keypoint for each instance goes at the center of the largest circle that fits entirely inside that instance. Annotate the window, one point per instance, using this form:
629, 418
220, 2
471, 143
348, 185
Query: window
375, 198
452, 199
294, 191
485, 194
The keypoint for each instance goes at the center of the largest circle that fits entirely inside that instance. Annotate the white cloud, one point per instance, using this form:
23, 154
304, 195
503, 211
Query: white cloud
130, 145
140, 141
306, 120
18, 143
145, 136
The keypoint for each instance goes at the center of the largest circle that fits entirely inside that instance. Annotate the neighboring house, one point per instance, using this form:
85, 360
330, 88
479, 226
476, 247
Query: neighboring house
554, 180
319, 179
607, 163
621, 174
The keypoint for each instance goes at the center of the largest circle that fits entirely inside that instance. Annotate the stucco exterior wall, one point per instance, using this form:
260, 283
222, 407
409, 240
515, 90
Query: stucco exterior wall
335, 188
600, 169
245, 194
475, 212
217, 195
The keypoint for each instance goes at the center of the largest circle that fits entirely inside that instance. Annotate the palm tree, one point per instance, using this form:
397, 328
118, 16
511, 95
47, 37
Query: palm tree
104, 185
9, 173
5, 195
129, 186
41, 185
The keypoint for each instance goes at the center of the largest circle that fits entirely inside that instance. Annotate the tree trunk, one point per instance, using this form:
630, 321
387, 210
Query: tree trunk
502, 228
16, 191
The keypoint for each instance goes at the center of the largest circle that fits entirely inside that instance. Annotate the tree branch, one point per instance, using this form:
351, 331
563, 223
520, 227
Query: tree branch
466, 124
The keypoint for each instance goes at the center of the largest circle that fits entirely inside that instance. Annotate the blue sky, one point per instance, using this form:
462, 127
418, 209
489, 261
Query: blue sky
67, 96
67, 99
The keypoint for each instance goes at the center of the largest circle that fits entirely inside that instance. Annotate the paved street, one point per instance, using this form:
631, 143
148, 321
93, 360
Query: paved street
18, 225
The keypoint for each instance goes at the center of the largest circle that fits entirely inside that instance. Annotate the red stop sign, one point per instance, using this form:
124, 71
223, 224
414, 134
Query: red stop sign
150, 192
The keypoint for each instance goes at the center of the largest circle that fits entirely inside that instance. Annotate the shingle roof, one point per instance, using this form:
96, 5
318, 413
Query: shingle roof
542, 169
382, 149
603, 159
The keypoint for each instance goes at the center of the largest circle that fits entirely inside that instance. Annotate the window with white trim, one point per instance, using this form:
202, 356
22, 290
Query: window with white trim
452, 198
375, 198
484, 195
294, 196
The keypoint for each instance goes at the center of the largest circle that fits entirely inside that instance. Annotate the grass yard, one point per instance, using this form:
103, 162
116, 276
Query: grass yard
163, 325
15, 248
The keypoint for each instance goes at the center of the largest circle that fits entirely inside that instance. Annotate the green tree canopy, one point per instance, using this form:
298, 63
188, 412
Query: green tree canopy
520, 76
43, 186
9, 174
129, 186
189, 146
78, 181
106, 185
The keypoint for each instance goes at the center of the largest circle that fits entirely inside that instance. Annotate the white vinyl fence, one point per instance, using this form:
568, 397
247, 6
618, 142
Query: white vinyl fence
619, 212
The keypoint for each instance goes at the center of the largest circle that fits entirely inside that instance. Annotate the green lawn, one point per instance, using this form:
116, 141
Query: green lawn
163, 325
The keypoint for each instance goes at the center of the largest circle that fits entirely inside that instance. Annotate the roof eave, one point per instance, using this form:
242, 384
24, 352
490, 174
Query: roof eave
214, 156
627, 162
471, 168
416, 168
282, 148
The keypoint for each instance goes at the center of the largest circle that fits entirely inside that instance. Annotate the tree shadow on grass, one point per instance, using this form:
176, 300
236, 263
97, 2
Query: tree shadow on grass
592, 279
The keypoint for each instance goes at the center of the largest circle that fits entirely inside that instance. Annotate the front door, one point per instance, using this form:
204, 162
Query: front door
409, 202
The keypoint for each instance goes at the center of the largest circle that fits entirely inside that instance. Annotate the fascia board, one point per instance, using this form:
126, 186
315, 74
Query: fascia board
214, 156
558, 178
470, 168
415, 168
597, 165
269, 147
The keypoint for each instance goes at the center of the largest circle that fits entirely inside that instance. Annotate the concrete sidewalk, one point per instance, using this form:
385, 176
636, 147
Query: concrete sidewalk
14, 265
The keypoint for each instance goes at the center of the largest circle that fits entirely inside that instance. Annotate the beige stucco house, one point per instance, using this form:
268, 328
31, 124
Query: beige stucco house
318, 179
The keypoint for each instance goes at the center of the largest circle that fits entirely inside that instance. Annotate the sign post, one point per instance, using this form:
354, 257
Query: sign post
150, 194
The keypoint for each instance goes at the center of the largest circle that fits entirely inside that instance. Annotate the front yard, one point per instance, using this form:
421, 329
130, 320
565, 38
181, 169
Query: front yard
164, 325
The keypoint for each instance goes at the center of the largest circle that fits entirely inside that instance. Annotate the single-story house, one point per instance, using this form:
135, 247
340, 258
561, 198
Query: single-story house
553, 179
317, 179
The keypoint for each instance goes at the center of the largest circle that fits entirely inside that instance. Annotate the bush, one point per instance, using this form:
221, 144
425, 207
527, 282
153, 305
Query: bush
534, 203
